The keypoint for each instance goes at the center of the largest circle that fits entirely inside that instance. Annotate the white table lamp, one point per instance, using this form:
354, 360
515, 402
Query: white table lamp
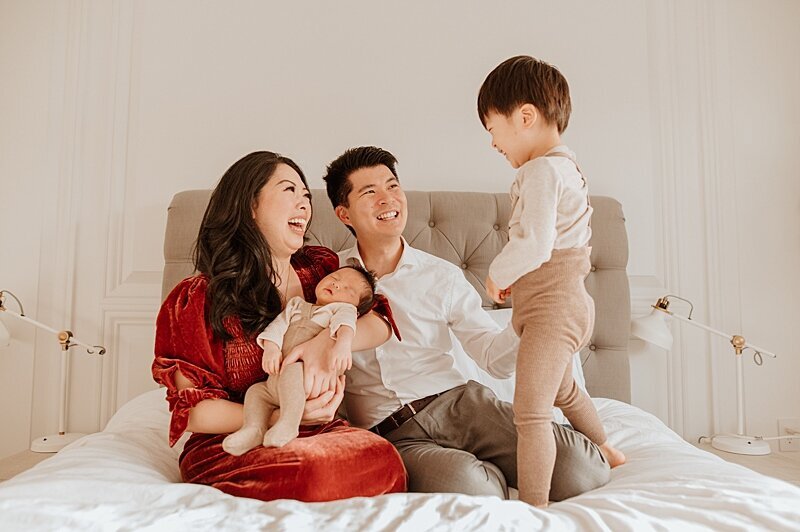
54, 442
653, 328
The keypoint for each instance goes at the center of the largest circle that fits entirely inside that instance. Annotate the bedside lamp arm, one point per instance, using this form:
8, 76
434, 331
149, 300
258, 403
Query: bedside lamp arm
738, 341
67, 342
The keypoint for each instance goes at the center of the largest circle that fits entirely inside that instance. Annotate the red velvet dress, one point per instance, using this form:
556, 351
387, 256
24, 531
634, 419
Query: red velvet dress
327, 462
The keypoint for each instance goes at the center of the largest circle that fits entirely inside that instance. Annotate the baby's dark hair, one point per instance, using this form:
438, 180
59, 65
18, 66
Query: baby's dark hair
367, 300
524, 79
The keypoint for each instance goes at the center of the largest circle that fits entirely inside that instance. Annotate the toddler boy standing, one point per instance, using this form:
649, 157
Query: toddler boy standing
524, 104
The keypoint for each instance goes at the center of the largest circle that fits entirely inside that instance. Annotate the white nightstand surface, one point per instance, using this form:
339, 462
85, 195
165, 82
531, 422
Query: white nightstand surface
17, 463
785, 466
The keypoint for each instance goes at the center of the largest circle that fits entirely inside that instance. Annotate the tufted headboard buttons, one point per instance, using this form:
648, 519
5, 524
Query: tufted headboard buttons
468, 229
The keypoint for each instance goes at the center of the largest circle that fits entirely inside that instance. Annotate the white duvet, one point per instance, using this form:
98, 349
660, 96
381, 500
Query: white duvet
126, 477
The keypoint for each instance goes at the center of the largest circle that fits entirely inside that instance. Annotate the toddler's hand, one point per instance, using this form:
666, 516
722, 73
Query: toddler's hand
498, 295
271, 360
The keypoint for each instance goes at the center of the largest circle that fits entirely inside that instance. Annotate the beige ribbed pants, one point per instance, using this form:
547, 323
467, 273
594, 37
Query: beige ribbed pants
554, 317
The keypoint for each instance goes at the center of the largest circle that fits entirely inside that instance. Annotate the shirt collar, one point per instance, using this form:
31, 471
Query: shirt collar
409, 257
561, 149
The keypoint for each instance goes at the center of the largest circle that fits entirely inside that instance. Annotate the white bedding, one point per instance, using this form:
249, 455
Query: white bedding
126, 477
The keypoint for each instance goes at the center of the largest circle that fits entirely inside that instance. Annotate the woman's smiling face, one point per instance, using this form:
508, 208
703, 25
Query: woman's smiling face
282, 211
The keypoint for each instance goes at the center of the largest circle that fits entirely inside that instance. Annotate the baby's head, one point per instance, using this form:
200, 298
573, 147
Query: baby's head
349, 284
519, 90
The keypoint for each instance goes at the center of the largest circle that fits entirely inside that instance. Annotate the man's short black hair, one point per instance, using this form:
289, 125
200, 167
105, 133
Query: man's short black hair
337, 180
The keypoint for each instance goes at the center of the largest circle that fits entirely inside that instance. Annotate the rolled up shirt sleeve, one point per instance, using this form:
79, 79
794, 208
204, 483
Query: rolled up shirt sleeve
342, 314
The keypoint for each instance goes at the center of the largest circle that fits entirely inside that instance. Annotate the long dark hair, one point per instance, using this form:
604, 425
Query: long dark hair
233, 253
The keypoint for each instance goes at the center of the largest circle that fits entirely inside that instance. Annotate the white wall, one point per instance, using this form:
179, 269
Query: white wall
27, 199
765, 113
683, 110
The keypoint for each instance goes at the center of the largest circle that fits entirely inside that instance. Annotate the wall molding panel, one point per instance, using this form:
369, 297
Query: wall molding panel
123, 280
56, 274
128, 332
662, 36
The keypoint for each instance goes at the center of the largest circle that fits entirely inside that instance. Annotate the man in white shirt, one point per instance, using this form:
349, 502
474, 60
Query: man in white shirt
453, 435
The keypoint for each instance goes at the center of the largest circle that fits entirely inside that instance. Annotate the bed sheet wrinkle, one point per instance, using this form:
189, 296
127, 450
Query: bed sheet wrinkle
126, 477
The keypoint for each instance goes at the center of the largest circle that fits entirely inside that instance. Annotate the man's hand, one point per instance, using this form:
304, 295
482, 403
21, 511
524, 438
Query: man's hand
498, 295
271, 360
323, 408
319, 373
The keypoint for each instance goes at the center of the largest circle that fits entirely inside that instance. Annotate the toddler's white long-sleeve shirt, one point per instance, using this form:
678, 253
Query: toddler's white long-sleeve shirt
549, 210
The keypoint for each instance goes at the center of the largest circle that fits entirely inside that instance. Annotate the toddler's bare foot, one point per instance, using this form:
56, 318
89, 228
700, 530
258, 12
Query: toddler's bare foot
241, 441
279, 435
614, 456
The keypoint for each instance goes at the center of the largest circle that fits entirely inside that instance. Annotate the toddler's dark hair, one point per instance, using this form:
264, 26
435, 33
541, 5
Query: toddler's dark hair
524, 79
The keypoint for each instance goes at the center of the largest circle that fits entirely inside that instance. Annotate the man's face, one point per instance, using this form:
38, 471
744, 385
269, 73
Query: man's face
377, 204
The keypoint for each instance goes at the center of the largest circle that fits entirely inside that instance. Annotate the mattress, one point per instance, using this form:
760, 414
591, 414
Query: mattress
126, 477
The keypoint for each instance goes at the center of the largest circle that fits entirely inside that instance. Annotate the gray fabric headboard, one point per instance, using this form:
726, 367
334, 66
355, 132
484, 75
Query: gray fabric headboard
467, 229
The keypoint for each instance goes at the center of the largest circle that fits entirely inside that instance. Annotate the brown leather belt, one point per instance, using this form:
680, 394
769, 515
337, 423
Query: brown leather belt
408, 411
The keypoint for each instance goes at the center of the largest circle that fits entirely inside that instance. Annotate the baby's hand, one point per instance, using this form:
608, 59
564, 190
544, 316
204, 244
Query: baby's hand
341, 357
271, 360
498, 295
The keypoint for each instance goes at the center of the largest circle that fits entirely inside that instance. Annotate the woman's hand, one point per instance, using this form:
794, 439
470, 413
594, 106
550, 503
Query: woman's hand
322, 409
319, 371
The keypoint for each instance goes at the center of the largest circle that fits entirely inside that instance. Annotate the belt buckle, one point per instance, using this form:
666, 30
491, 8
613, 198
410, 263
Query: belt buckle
397, 423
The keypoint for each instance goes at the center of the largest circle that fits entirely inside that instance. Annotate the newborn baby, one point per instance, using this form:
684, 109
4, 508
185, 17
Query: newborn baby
342, 296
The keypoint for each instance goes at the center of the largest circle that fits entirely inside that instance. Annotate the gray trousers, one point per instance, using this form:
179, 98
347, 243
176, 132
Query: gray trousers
465, 442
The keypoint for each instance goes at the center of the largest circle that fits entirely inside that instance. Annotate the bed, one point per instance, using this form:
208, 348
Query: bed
126, 476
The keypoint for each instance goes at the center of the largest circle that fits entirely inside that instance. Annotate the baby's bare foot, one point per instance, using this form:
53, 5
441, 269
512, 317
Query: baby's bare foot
241, 441
614, 456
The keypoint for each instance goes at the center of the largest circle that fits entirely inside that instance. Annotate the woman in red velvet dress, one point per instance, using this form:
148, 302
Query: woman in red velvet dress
251, 259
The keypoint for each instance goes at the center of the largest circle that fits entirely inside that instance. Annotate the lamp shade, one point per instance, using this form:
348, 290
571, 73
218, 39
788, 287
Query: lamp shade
5, 336
653, 328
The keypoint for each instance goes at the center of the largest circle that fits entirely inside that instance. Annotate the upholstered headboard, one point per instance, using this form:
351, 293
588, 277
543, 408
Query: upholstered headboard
467, 229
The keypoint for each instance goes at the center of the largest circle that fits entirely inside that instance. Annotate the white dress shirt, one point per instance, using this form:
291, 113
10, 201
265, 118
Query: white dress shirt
430, 298
549, 210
